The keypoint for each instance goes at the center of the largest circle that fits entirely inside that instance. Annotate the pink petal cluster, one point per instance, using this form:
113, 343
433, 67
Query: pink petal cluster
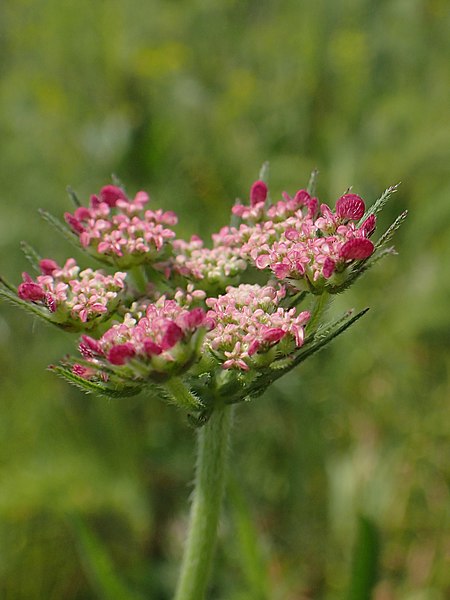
120, 230
298, 240
73, 295
248, 321
162, 341
206, 266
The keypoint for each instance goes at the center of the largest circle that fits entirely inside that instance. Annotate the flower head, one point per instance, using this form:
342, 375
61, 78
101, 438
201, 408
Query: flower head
247, 323
73, 298
162, 343
120, 231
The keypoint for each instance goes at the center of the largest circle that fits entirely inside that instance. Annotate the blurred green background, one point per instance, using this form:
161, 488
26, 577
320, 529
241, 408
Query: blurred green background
344, 467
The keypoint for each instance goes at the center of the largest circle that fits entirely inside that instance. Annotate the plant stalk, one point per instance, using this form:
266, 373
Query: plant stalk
212, 447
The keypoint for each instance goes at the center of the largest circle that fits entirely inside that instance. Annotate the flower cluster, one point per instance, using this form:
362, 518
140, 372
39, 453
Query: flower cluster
248, 323
225, 318
210, 268
73, 298
306, 244
164, 342
119, 231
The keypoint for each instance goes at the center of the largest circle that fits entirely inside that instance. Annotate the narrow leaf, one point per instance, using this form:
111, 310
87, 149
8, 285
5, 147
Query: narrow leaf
10, 294
98, 565
264, 172
312, 183
389, 233
365, 561
92, 387
379, 204
32, 256
59, 226
73, 196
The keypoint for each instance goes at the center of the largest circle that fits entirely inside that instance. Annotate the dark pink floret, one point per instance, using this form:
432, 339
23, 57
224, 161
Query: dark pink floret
89, 347
30, 291
73, 222
111, 193
368, 227
47, 266
275, 334
357, 249
151, 348
328, 267
350, 206
258, 193
195, 318
119, 354
172, 335
302, 197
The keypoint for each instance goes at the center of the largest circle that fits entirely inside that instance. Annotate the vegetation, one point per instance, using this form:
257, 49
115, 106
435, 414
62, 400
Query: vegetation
342, 468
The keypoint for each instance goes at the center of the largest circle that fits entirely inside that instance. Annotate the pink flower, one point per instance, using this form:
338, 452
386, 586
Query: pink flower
258, 193
350, 207
357, 249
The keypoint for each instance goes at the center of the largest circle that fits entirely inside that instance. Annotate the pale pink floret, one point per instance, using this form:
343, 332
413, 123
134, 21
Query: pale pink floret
210, 265
248, 321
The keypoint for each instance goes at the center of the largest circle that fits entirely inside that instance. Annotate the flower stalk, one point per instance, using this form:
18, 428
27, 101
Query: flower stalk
212, 448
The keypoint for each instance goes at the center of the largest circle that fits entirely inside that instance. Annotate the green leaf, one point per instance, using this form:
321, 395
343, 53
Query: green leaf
365, 560
73, 196
9, 293
98, 566
264, 172
389, 233
118, 182
93, 387
251, 560
312, 183
379, 204
60, 227
32, 256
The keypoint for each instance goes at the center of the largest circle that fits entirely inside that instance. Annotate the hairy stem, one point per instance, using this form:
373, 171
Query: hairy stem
205, 510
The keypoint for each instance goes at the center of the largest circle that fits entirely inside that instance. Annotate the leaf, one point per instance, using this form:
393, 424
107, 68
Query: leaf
365, 560
98, 566
60, 227
264, 172
32, 256
308, 349
118, 182
92, 387
251, 558
379, 204
361, 269
73, 196
389, 233
9, 293
312, 183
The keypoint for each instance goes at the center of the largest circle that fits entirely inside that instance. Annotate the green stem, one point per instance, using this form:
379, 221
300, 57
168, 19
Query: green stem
205, 509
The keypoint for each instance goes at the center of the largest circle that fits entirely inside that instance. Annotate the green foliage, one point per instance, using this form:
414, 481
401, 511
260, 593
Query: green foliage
187, 100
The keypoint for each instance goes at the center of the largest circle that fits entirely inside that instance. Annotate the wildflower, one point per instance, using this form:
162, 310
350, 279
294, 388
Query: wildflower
249, 326
119, 231
164, 342
73, 298
311, 248
210, 269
